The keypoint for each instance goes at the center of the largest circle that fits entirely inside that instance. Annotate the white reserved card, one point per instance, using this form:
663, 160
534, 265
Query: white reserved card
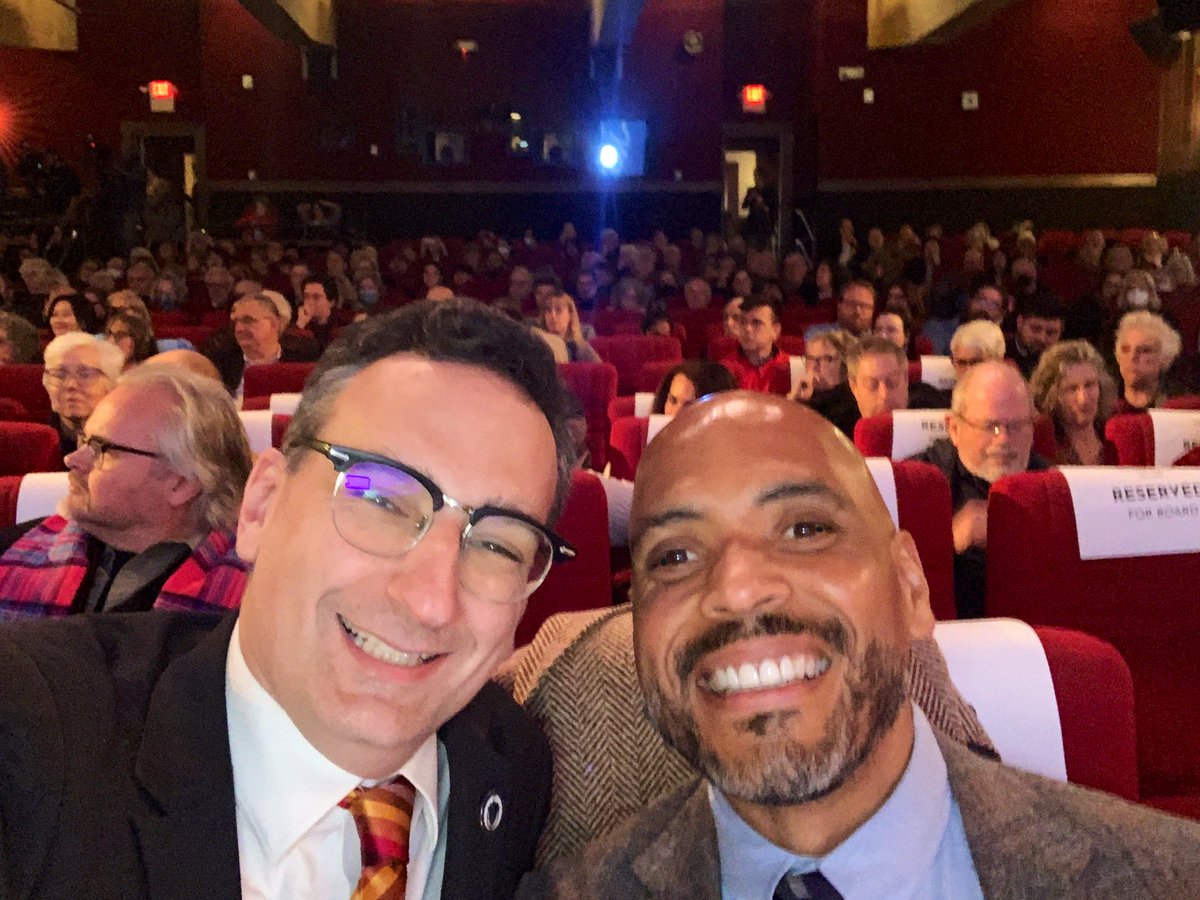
799, 367
643, 402
939, 372
1176, 431
284, 404
885, 481
655, 426
1130, 511
915, 429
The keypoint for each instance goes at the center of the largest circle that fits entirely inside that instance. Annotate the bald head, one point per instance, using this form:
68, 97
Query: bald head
991, 420
187, 359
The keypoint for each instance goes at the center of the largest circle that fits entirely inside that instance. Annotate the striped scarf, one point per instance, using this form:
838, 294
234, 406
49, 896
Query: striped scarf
41, 573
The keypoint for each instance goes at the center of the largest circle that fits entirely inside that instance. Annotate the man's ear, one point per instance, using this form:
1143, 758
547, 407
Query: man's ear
914, 589
182, 491
262, 490
952, 428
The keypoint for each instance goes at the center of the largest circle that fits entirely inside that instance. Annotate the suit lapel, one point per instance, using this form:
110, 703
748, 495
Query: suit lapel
1020, 840
683, 861
186, 826
477, 771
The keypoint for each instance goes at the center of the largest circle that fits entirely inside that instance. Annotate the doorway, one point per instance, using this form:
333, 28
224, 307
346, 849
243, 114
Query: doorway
173, 154
757, 162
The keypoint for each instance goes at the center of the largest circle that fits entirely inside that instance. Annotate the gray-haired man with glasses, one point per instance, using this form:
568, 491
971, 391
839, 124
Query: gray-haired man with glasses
991, 435
340, 737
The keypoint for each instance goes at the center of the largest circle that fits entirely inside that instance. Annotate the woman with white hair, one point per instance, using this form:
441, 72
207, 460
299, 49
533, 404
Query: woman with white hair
974, 342
79, 371
1145, 348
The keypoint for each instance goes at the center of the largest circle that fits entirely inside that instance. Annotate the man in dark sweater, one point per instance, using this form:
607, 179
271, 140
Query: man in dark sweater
991, 435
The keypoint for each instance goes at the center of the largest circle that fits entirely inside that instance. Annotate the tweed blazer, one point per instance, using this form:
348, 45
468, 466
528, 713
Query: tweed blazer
1030, 838
578, 680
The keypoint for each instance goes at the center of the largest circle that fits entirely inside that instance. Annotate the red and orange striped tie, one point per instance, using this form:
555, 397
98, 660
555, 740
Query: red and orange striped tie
383, 817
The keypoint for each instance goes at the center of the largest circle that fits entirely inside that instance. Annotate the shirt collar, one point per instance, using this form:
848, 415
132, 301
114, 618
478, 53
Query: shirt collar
282, 784
889, 855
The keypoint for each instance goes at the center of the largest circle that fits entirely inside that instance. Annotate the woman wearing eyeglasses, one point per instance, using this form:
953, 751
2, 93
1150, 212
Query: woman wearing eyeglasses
132, 336
79, 371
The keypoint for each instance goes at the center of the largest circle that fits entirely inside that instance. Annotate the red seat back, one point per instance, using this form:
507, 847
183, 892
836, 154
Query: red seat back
1186, 401
629, 352
626, 442
10, 489
1094, 691
923, 505
584, 582
620, 407
595, 386
697, 321
722, 346
1145, 606
276, 378
652, 374
279, 427
23, 382
608, 322
29, 447
1133, 436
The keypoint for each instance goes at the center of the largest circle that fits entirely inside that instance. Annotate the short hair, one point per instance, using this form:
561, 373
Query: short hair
262, 300
81, 307
202, 438
1052, 368
842, 343
706, 376
134, 305
458, 330
758, 301
328, 282
857, 282
548, 279
282, 307
873, 345
112, 360
1041, 304
1153, 323
958, 397
21, 336
983, 336
901, 312
144, 345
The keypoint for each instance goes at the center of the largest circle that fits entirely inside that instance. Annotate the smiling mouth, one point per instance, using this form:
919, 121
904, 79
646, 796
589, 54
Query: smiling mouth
766, 675
377, 648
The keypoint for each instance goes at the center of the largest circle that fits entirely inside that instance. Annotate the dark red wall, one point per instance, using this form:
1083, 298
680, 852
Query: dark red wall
1063, 90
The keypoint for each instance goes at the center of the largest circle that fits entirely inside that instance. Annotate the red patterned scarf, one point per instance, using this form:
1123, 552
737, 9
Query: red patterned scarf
41, 572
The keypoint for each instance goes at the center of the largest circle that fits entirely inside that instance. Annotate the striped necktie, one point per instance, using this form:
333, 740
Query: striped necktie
383, 817
806, 886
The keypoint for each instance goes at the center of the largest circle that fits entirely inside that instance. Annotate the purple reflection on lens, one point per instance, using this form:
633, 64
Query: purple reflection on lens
358, 482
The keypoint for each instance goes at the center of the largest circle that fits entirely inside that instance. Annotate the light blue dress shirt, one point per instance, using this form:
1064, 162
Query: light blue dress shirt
913, 847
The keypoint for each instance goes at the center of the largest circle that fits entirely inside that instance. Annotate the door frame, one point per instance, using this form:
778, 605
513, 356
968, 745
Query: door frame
133, 133
784, 134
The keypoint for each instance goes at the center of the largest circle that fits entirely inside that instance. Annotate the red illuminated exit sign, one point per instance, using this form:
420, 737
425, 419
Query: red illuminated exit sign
162, 96
754, 98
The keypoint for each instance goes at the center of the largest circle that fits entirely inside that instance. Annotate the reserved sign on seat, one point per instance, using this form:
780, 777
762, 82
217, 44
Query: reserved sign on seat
1123, 512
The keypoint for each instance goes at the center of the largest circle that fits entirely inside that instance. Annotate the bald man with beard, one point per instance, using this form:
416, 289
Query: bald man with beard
775, 607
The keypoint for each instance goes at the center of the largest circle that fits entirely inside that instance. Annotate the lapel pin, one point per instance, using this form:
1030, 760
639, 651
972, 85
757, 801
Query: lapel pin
491, 811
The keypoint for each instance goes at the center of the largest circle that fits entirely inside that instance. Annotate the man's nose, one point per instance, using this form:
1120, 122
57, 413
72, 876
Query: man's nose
427, 581
743, 579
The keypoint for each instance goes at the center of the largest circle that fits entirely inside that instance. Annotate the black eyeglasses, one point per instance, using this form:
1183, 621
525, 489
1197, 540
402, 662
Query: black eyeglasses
99, 446
384, 508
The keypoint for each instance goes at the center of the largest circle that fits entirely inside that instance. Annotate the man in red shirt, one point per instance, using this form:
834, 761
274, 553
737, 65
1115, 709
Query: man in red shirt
758, 365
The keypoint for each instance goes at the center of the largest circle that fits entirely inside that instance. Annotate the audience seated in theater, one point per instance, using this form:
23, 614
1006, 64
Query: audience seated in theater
132, 336
72, 312
587, 289
825, 280
758, 364
990, 428
630, 295
986, 302
795, 283
657, 320
689, 381
140, 277
840, 786
1072, 386
697, 293
1145, 348
155, 488
1040, 319
79, 371
975, 342
257, 338
561, 319
824, 365
218, 285
855, 311
520, 291
18, 340
895, 324
315, 313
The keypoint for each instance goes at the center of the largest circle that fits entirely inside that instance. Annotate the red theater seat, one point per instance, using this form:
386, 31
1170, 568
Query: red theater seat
1133, 436
22, 382
608, 322
629, 352
625, 444
10, 489
584, 582
621, 407
1145, 606
923, 504
276, 378
29, 447
279, 427
873, 436
595, 386
652, 374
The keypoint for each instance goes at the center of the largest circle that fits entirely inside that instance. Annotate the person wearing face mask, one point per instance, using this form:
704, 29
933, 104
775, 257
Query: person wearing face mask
1073, 388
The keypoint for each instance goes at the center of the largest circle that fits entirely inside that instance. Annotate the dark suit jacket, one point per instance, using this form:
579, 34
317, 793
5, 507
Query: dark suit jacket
227, 356
1029, 838
116, 781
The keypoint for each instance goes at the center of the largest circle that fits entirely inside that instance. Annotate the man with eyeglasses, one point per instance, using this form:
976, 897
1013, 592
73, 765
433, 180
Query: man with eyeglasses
154, 489
339, 737
990, 427
257, 339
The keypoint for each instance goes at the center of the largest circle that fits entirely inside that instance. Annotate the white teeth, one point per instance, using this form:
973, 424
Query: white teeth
379, 649
767, 674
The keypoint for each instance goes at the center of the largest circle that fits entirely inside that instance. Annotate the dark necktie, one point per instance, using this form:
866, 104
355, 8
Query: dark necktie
383, 817
808, 886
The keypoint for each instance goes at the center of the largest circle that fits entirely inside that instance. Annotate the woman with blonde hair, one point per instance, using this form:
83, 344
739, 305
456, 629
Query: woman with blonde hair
1073, 388
561, 318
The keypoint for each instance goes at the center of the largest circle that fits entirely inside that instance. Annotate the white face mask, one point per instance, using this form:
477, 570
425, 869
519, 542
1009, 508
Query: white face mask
1137, 298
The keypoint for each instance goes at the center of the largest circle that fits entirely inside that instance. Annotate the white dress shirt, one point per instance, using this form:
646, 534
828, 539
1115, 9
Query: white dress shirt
294, 841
